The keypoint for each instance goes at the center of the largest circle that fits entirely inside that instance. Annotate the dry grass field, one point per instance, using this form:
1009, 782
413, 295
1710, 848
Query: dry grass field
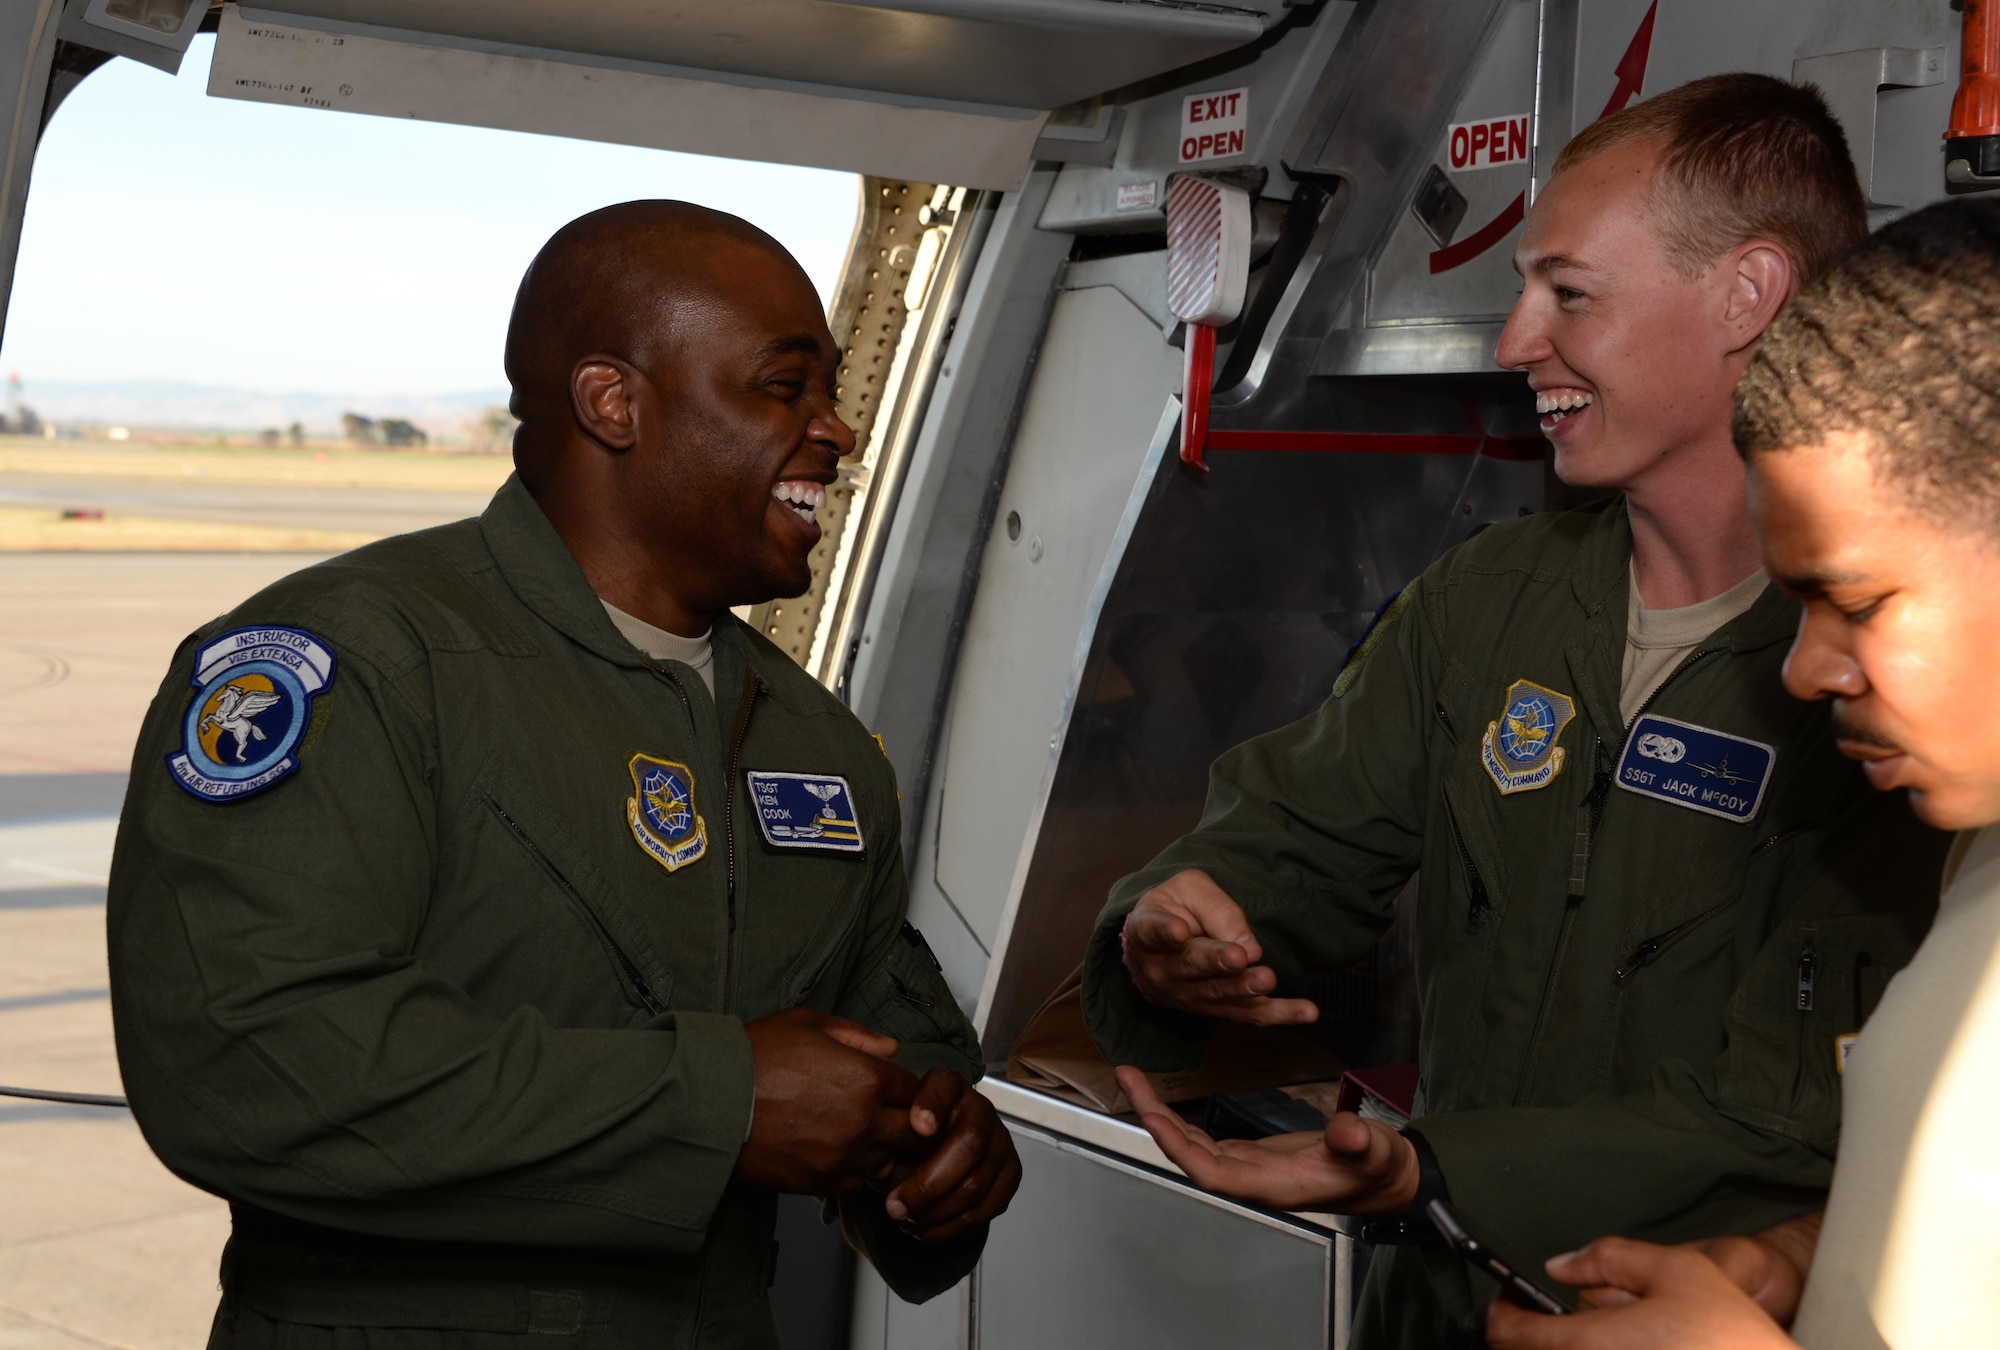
139, 496
312, 466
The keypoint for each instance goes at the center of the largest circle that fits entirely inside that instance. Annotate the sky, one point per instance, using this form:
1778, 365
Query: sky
171, 236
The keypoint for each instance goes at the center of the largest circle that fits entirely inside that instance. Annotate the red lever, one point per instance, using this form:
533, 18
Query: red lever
1208, 270
1198, 374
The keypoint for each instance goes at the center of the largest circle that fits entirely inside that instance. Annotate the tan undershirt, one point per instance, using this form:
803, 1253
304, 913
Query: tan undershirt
1911, 1247
658, 643
1658, 640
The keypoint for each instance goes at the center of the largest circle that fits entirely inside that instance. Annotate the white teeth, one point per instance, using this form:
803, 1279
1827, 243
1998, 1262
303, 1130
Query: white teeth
1562, 403
803, 497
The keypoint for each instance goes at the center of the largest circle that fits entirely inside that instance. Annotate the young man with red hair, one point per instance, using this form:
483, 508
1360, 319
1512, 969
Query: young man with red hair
1653, 895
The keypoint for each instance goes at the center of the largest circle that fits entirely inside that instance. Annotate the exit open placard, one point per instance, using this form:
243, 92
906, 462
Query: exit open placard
1212, 124
1492, 144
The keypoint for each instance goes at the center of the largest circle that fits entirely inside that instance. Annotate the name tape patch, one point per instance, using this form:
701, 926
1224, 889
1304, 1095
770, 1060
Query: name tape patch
253, 702
1696, 767
805, 810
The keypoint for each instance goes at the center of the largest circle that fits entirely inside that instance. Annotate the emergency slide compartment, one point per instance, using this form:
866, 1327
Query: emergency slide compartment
1053, 618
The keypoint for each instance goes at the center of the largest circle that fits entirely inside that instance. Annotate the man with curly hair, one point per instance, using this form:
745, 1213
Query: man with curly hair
1869, 419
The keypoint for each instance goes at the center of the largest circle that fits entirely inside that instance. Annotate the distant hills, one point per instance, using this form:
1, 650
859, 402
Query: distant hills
166, 405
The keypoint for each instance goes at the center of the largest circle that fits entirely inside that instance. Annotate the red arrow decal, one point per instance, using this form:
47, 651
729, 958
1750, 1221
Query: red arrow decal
1631, 74
1485, 237
1631, 70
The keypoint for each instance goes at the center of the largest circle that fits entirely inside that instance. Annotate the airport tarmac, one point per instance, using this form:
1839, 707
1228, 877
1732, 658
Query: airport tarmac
377, 510
99, 1244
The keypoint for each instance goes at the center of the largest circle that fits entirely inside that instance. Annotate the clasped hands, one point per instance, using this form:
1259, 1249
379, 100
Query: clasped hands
835, 1114
1188, 946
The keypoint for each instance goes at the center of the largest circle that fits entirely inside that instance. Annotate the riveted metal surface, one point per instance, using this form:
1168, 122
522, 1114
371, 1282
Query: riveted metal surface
867, 319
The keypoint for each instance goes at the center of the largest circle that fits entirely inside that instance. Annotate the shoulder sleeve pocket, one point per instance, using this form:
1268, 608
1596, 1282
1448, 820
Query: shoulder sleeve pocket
906, 997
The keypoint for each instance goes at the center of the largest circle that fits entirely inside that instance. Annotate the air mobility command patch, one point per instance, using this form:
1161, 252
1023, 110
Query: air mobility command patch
1696, 767
1520, 750
662, 813
255, 688
806, 810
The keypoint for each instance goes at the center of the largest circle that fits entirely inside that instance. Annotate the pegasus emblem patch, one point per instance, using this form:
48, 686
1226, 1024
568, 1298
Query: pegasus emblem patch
254, 701
1696, 767
1520, 750
661, 812
805, 810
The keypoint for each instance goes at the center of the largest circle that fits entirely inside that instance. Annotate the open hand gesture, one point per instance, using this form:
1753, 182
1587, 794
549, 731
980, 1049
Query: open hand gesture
1354, 1166
1188, 946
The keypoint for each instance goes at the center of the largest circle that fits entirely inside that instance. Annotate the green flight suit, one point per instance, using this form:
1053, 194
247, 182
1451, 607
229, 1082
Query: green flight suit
1629, 1007
435, 1015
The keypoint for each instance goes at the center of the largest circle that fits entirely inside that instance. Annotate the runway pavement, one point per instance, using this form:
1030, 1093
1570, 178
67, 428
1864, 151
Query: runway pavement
375, 510
99, 1244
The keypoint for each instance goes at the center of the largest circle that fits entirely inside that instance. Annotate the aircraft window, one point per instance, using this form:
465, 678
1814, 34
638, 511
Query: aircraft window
242, 337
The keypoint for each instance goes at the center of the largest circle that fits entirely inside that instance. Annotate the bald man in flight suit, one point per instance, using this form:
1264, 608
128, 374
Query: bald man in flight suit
500, 925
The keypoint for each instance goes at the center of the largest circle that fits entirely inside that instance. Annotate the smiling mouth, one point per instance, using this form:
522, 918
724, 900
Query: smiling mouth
1555, 405
800, 495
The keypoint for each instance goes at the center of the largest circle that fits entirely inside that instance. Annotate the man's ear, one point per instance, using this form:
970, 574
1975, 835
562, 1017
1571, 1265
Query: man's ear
1760, 282
602, 398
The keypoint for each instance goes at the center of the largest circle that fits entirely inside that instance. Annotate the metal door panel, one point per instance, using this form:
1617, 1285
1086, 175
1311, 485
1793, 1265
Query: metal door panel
1100, 381
1096, 1253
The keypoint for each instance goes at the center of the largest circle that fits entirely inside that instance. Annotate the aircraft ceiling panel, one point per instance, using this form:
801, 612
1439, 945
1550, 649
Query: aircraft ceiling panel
444, 79
1039, 54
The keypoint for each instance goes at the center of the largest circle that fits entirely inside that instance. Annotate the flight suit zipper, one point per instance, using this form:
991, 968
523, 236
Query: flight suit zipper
753, 686
1481, 903
1590, 815
687, 704
1807, 1000
909, 995
1697, 654
626, 965
1653, 947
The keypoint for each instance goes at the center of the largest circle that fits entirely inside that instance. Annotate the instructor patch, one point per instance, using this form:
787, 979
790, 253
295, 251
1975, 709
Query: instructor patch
1520, 750
1696, 767
661, 812
805, 810
243, 727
